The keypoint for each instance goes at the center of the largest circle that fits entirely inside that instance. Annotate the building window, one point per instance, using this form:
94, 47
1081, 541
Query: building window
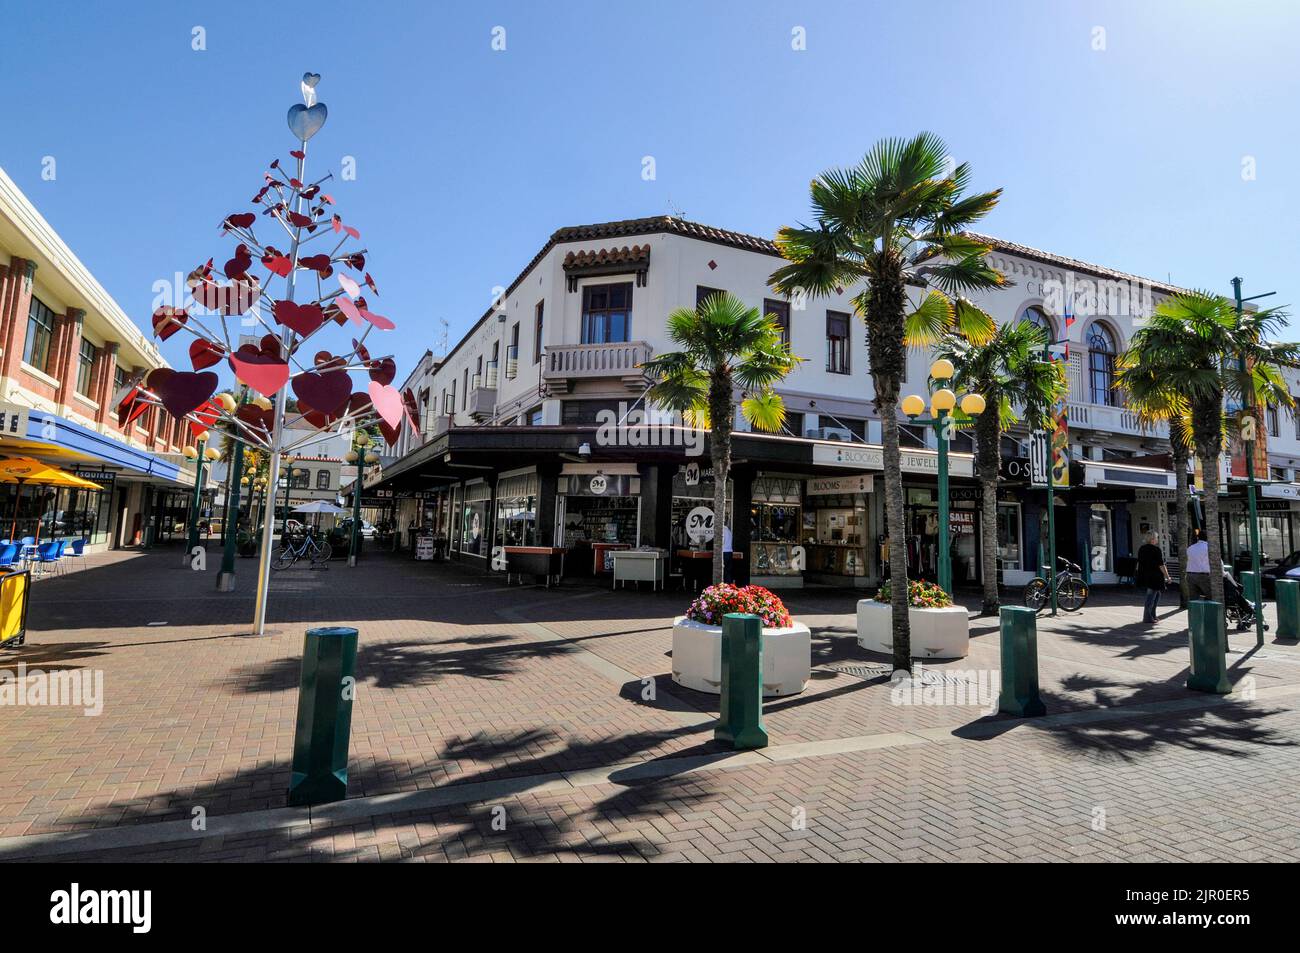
300, 479
779, 311
606, 313
1101, 365
539, 321
1039, 319
464, 385
40, 331
322, 479
450, 401
1279, 474
703, 292
794, 422
1295, 418
837, 342
912, 435
86, 367
512, 353
1274, 427
535, 418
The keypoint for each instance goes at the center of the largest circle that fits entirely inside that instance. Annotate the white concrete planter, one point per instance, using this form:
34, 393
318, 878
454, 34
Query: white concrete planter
697, 657
936, 633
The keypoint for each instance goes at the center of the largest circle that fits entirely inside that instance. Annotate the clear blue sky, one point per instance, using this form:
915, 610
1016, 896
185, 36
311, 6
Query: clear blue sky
467, 159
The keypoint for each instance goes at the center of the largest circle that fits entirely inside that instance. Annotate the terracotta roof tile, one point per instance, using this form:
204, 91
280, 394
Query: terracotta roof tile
607, 256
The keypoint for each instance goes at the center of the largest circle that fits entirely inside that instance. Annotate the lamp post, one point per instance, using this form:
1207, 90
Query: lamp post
230, 534
1248, 447
200, 455
942, 402
359, 457
289, 471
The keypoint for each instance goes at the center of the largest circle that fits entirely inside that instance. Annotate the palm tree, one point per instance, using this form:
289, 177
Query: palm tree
1008, 371
724, 346
1196, 345
1146, 387
895, 221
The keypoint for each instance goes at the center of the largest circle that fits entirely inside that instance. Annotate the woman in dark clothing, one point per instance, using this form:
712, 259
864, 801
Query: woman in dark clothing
1152, 575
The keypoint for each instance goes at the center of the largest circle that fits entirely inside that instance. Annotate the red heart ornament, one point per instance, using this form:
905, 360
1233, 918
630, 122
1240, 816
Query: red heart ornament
303, 318
390, 433
184, 391
167, 321
205, 353
207, 415
262, 372
157, 377
278, 264
327, 392
383, 371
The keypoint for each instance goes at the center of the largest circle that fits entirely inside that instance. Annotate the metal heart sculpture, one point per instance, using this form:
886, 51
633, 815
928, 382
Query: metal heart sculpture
305, 121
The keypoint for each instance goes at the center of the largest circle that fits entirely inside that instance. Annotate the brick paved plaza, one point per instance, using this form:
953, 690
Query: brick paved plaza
553, 714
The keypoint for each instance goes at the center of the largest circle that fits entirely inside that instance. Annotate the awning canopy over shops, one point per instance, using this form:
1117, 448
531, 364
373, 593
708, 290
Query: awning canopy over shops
31, 432
464, 453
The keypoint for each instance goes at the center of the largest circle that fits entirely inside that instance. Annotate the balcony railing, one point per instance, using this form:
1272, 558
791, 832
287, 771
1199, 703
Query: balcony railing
565, 363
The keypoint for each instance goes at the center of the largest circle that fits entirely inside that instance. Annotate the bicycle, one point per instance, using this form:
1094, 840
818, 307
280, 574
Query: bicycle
1071, 590
291, 550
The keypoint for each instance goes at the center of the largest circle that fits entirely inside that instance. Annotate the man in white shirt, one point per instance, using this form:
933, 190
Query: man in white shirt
728, 574
1198, 570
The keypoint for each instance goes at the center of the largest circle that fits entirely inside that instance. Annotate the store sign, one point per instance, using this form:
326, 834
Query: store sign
962, 522
826, 486
699, 524
13, 420
95, 476
1015, 468
599, 485
692, 474
1155, 496
863, 457
1280, 491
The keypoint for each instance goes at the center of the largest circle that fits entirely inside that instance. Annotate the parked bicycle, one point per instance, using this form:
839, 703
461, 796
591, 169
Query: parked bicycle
1071, 590
306, 545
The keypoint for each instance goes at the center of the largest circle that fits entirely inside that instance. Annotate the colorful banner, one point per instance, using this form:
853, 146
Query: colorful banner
1058, 440
1250, 425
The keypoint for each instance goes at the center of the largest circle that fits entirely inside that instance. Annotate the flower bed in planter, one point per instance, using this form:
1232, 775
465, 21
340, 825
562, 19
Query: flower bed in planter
940, 630
697, 641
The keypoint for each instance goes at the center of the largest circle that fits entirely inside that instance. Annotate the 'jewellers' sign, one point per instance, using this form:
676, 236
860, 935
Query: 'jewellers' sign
863, 457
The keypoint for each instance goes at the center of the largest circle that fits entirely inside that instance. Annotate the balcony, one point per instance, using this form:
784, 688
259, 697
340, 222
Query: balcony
1115, 420
566, 363
481, 402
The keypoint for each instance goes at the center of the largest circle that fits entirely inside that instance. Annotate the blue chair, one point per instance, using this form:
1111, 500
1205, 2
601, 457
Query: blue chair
9, 555
78, 550
44, 556
59, 548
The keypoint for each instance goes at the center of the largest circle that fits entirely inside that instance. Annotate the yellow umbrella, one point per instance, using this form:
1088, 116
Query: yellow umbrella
23, 470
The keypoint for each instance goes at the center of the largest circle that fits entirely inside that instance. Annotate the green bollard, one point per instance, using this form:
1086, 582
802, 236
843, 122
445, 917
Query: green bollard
1250, 587
1019, 695
325, 691
740, 714
1288, 609
1209, 645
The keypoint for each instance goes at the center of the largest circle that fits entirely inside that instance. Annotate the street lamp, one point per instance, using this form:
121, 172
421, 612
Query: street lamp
200, 455
942, 402
289, 471
360, 458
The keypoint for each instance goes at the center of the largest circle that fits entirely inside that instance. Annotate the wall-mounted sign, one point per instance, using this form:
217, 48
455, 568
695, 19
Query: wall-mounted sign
13, 420
1280, 491
826, 486
699, 525
95, 476
863, 457
599, 484
1015, 468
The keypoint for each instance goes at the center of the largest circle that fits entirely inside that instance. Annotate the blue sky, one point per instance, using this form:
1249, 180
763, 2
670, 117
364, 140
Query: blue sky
467, 159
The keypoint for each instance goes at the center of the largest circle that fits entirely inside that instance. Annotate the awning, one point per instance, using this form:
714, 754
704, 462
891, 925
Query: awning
25, 470
318, 506
1108, 473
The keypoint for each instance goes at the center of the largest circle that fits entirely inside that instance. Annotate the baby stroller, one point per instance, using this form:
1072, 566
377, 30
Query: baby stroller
1236, 606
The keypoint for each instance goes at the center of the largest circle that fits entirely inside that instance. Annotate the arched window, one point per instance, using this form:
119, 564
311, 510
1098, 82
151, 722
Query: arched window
1101, 365
1037, 317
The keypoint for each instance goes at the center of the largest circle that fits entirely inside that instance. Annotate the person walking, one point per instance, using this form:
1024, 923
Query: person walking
1152, 574
1198, 570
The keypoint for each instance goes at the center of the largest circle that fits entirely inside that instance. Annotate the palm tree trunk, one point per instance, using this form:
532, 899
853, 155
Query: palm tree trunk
887, 301
1181, 495
720, 413
987, 437
896, 532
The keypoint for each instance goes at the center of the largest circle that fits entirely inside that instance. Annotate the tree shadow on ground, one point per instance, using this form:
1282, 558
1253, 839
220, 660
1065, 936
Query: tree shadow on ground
1228, 727
52, 656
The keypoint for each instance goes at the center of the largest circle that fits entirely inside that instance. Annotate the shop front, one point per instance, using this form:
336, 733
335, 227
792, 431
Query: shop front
599, 512
776, 529
837, 530
1277, 528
